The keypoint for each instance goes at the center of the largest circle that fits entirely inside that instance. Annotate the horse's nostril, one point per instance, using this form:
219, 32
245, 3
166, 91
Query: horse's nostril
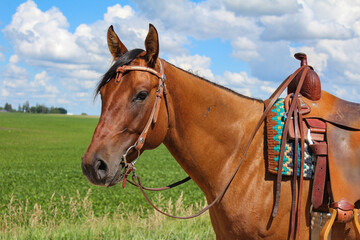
101, 169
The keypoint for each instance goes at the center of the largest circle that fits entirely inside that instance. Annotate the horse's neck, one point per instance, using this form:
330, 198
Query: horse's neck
209, 127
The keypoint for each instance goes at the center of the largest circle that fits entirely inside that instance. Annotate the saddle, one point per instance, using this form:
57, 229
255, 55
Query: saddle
331, 126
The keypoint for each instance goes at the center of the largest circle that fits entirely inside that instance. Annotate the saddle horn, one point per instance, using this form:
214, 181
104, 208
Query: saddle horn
311, 87
302, 57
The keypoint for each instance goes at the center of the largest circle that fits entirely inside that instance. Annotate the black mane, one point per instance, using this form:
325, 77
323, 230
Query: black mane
125, 59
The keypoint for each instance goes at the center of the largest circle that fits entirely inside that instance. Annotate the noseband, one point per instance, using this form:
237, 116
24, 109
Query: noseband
160, 92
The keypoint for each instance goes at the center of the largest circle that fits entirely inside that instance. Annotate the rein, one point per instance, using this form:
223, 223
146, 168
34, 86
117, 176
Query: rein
162, 91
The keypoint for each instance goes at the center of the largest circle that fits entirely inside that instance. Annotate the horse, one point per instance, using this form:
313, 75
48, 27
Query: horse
205, 127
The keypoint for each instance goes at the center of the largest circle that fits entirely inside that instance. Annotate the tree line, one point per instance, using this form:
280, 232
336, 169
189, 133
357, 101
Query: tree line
38, 108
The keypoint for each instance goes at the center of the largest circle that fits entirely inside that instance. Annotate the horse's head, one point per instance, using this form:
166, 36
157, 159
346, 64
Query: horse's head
130, 92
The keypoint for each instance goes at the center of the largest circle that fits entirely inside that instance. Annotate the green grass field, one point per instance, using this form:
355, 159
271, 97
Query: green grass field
45, 195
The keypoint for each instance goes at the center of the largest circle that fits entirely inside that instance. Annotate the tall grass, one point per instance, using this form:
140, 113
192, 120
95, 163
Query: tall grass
22, 221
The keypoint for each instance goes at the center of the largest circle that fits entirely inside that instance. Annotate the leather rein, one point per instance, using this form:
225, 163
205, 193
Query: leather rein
162, 92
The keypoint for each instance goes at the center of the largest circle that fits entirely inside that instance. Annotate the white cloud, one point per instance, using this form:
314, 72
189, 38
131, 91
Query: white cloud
43, 39
4, 92
117, 11
36, 34
14, 76
202, 20
14, 59
244, 49
352, 77
302, 25
43, 80
63, 101
199, 65
85, 74
244, 84
345, 92
17, 82
268, 89
82, 94
260, 7
342, 51
2, 57
88, 84
314, 20
345, 12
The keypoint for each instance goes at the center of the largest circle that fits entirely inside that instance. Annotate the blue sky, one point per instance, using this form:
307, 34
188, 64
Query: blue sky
54, 52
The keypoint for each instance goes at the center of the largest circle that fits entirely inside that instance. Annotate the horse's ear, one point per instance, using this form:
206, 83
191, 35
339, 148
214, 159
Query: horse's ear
152, 46
116, 47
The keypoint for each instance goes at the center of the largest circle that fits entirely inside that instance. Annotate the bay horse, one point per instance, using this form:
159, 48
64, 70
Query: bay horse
205, 127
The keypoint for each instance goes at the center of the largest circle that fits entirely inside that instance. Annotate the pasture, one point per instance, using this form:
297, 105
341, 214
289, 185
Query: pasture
45, 195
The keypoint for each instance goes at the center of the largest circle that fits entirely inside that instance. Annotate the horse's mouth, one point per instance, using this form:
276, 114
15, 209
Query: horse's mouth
112, 182
123, 170
116, 178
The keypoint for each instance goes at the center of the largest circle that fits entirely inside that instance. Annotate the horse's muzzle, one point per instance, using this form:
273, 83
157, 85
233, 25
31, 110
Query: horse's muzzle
99, 172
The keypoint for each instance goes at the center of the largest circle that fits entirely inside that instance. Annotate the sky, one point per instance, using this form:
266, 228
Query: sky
53, 52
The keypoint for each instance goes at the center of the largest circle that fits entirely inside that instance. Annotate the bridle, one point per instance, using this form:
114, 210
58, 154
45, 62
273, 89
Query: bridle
160, 93
128, 167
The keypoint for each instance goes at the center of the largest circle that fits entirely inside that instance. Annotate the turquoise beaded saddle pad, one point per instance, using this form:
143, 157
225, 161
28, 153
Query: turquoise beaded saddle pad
274, 129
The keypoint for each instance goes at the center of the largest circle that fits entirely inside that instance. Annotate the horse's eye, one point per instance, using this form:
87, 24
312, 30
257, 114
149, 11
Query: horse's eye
141, 96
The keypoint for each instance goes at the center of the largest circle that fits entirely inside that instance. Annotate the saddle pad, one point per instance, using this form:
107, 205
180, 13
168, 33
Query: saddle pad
274, 129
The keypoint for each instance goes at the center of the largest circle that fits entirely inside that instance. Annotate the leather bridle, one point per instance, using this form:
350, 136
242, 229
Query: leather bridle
160, 92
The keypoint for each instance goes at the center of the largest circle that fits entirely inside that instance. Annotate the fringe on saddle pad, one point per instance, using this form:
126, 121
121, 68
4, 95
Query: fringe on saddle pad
274, 129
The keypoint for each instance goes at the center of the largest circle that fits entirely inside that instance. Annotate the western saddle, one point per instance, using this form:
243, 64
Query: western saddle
331, 126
